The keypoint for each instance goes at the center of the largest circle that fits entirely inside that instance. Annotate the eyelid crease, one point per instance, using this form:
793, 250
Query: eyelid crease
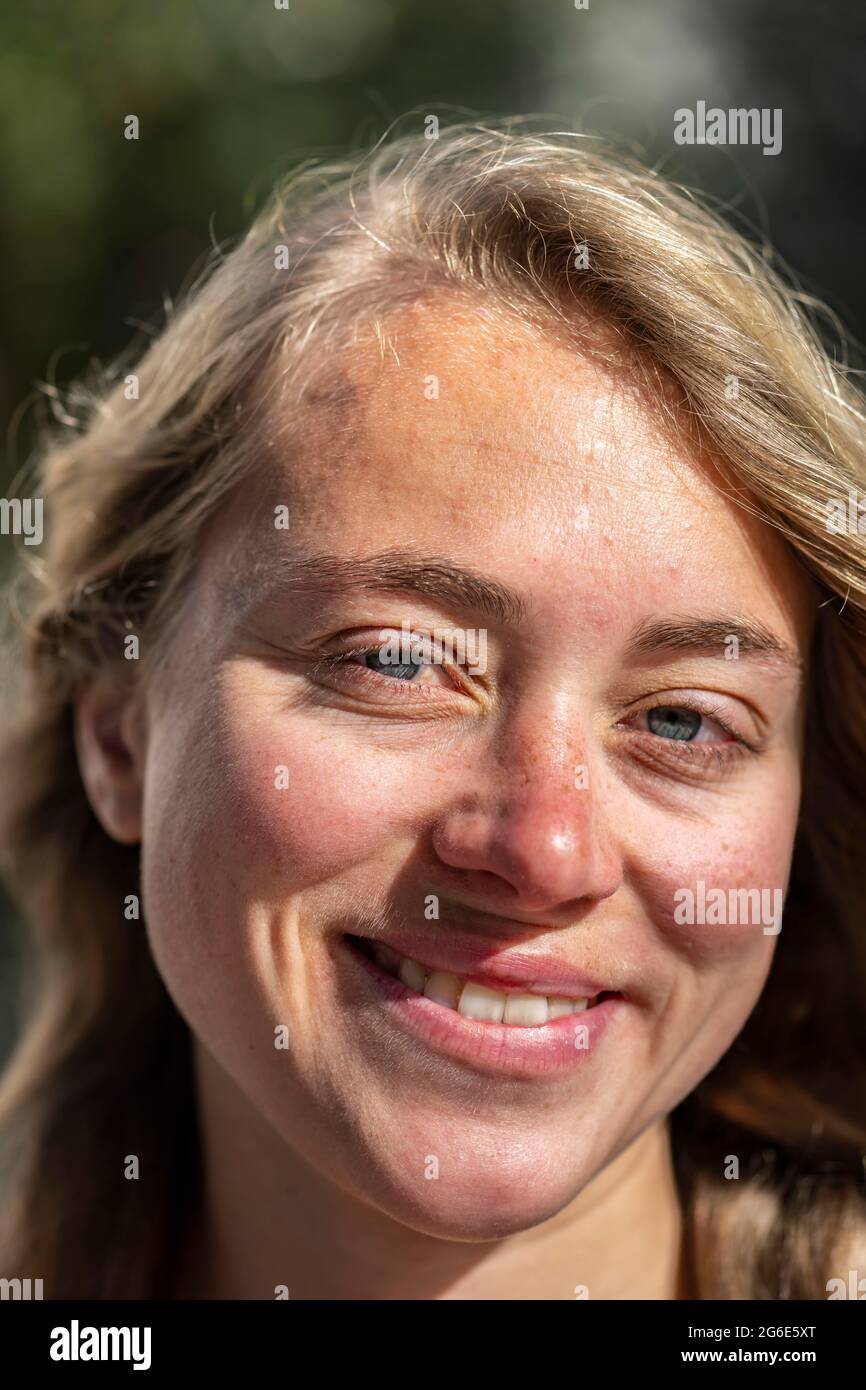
706, 702
331, 661
683, 686
707, 710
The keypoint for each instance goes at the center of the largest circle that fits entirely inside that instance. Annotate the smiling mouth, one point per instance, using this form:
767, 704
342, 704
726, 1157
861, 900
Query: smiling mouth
469, 998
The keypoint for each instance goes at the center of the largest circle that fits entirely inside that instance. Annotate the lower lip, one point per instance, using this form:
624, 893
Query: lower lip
503, 1049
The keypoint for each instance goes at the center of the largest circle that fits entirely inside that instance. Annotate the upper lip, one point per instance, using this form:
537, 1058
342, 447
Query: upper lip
503, 968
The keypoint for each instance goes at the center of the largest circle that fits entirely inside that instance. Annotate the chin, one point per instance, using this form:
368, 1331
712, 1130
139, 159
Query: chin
480, 1196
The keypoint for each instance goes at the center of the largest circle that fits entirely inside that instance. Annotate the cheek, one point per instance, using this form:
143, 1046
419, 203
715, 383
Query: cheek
715, 881
307, 807
269, 799
718, 952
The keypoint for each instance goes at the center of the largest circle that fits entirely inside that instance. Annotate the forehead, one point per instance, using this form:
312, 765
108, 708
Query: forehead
491, 441
455, 405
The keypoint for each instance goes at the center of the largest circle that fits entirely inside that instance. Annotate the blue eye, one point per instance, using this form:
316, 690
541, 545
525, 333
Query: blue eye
669, 722
402, 671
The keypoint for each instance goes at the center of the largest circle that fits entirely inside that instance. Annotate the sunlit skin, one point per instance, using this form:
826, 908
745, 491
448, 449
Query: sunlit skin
544, 472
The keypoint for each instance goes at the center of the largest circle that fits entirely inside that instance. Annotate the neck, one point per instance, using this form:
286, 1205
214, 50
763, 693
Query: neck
269, 1220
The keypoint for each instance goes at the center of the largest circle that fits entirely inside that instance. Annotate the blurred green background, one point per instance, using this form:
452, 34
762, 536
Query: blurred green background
97, 230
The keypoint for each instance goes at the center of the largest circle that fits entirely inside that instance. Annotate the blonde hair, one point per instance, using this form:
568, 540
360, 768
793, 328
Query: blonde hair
538, 226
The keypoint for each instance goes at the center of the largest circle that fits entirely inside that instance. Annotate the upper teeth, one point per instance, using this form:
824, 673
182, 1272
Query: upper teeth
473, 1000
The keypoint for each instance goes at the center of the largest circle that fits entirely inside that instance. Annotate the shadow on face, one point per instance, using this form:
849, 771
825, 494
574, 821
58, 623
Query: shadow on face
628, 743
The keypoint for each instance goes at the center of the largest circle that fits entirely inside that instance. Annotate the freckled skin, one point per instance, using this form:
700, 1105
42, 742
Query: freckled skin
247, 887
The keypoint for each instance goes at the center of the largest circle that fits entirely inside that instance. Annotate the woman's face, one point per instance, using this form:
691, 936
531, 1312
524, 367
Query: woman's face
533, 827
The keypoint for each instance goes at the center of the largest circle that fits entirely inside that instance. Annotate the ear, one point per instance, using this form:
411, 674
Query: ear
110, 748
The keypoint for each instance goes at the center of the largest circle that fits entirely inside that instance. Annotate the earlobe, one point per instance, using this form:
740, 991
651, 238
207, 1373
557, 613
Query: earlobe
110, 757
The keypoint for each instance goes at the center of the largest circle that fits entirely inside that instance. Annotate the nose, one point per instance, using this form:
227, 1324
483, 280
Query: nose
533, 833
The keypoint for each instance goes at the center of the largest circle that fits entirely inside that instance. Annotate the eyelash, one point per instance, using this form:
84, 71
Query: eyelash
722, 753
331, 663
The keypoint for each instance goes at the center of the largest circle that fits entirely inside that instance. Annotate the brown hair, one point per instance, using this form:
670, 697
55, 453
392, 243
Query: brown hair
531, 224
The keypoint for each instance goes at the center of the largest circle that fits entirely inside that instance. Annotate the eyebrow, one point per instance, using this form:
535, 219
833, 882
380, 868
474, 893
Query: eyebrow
404, 571
401, 571
710, 635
